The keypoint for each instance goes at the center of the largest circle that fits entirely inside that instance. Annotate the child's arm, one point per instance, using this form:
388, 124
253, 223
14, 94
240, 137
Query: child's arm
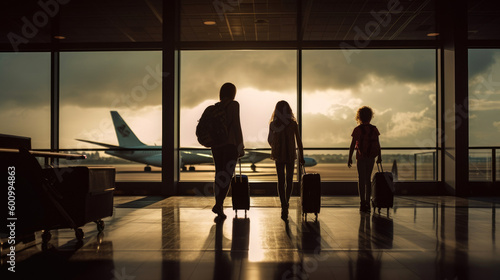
379, 159
351, 151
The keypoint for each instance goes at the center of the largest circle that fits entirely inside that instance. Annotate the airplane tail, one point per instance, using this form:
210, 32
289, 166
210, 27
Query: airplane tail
125, 135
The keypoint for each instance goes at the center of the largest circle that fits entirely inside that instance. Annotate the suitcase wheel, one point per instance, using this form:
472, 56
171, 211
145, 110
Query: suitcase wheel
100, 225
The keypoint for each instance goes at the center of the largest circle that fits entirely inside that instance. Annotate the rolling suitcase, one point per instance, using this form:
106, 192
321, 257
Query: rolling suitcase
382, 189
310, 193
241, 192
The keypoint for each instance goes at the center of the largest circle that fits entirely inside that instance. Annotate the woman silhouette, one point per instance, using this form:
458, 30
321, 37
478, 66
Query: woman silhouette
226, 153
283, 134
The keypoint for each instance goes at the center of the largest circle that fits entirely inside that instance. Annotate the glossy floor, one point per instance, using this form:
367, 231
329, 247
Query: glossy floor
177, 238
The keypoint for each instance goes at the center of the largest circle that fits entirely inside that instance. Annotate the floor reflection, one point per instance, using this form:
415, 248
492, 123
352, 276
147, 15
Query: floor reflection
178, 238
368, 261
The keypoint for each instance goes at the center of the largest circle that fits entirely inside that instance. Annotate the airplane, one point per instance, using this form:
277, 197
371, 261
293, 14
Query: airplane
129, 143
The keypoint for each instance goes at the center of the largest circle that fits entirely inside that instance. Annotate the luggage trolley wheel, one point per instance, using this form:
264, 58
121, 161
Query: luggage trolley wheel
79, 234
100, 225
46, 236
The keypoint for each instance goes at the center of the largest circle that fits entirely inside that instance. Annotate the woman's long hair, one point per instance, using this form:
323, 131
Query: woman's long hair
283, 113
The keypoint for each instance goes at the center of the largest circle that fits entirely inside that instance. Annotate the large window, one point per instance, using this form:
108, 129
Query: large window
262, 78
484, 120
399, 85
25, 96
114, 100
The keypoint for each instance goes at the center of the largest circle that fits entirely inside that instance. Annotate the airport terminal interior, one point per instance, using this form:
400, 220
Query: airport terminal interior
105, 178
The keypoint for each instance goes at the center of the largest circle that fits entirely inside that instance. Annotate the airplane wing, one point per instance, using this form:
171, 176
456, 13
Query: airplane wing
101, 144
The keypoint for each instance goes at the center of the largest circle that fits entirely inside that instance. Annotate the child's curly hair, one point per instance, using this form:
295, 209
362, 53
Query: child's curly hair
364, 115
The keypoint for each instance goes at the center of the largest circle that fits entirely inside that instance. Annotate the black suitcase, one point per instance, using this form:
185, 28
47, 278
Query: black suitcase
382, 189
241, 192
310, 193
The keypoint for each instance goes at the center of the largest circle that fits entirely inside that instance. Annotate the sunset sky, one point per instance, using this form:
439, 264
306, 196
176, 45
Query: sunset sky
398, 84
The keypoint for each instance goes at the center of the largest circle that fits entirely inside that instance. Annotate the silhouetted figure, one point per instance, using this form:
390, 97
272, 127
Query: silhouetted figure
283, 135
365, 139
226, 153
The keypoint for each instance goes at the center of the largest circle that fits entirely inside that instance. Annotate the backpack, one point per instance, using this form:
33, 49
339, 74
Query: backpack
367, 144
211, 129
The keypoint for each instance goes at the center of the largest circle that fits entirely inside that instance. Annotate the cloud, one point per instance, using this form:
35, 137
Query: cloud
111, 80
129, 79
410, 124
96, 79
320, 130
24, 80
204, 72
325, 69
484, 105
481, 61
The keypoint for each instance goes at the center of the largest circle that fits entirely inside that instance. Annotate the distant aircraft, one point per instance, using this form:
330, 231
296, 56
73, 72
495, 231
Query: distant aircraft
128, 143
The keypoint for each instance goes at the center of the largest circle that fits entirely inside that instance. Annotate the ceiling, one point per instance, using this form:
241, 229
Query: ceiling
83, 21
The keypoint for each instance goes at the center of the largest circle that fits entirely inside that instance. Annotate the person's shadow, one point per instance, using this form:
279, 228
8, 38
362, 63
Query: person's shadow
367, 265
227, 265
223, 268
382, 232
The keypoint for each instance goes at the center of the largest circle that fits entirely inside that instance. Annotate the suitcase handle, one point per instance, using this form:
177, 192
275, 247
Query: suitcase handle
380, 167
303, 168
241, 177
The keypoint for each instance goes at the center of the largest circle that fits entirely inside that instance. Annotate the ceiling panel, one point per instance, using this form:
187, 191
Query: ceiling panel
369, 20
238, 20
484, 20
